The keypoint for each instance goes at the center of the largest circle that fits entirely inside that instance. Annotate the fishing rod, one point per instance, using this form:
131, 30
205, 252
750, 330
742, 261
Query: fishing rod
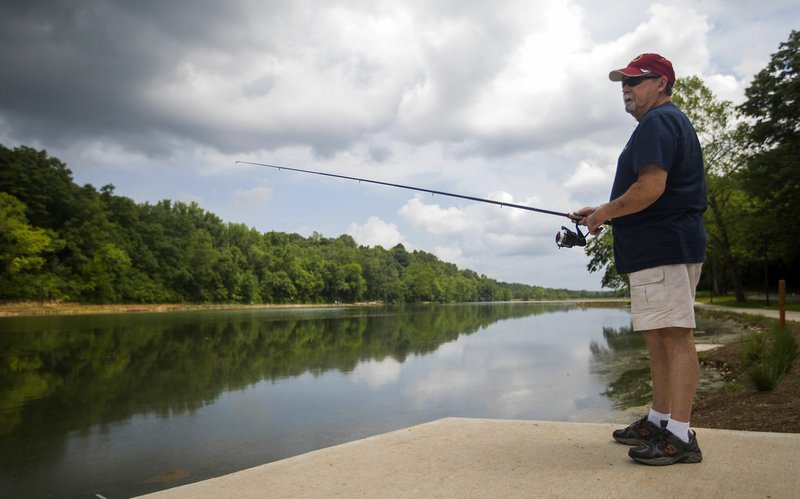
565, 238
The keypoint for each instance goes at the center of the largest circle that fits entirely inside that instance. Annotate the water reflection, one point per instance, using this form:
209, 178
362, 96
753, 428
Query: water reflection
125, 404
105, 368
622, 361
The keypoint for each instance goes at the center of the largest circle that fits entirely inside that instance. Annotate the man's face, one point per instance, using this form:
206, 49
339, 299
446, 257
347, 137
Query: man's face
640, 94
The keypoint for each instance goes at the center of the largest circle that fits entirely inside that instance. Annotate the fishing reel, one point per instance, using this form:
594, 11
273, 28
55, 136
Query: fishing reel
565, 238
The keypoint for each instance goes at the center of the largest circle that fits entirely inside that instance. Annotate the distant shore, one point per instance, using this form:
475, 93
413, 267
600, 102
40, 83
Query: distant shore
37, 308
32, 308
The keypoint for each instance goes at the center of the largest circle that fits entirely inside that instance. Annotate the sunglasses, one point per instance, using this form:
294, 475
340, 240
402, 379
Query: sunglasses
632, 82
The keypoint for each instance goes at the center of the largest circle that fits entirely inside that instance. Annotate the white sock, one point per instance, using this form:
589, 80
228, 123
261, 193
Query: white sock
656, 417
679, 429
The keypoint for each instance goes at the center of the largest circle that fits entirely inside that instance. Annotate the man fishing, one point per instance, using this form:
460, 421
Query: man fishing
655, 210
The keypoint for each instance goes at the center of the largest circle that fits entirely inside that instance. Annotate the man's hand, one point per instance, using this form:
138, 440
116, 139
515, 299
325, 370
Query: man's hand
591, 217
649, 186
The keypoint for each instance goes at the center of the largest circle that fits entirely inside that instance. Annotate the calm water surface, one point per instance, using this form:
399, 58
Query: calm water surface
120, 405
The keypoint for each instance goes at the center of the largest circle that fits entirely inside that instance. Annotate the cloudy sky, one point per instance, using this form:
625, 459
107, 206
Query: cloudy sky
506, 100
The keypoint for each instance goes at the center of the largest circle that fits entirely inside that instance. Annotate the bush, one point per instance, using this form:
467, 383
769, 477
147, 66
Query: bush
784, 351
769, 357
752, 348
763, 376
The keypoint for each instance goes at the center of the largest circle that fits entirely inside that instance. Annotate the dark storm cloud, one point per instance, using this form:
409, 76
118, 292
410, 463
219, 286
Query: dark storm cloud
77, 70
120, 72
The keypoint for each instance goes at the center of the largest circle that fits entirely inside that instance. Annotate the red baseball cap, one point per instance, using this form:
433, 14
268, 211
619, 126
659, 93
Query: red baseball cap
645, 64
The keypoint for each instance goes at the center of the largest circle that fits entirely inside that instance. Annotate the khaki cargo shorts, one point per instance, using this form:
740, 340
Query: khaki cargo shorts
664, 296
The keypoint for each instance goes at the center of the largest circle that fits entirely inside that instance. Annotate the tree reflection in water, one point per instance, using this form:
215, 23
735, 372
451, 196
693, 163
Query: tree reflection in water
98, 369
623, 364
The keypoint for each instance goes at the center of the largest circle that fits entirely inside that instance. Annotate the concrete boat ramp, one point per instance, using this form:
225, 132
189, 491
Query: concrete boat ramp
464, 458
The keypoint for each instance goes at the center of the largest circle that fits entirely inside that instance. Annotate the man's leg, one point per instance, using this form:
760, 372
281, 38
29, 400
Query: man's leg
674, 369
684, 370
649, 427
677, 444
659, 371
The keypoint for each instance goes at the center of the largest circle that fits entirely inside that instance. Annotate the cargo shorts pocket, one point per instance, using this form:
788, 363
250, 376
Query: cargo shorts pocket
649, 287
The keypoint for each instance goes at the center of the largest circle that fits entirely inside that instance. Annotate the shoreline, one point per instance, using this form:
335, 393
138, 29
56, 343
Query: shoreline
22, 309
38, 309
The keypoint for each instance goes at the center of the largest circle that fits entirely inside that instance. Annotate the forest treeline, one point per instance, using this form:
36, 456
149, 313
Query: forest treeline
62, 241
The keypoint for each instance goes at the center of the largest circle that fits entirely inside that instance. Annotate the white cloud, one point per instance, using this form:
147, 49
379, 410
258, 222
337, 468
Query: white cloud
587, 177
474, 234
726, 87
453, 254
436, 220
376, 232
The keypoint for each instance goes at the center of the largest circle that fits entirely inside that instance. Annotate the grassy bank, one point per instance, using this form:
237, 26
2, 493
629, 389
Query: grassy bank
61, 308
739, 405
57, 308
792, 302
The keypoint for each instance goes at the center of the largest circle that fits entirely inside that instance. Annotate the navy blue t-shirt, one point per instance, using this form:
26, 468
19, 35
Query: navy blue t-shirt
670, 231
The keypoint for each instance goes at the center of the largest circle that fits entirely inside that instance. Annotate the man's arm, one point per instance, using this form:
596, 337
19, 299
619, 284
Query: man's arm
649, 186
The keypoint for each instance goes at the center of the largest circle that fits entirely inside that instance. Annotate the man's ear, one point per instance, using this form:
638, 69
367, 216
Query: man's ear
662, 84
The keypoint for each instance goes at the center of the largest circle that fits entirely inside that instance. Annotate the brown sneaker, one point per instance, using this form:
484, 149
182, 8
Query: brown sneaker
638, 433
669, 449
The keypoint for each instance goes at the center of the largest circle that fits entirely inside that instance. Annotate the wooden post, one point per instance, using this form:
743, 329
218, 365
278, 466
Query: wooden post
782, 302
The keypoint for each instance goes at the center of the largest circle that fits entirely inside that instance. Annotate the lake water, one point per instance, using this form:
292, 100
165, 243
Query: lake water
120, 405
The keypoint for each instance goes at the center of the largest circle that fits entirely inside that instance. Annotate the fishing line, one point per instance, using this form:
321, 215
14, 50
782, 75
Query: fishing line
565, 238
420, 189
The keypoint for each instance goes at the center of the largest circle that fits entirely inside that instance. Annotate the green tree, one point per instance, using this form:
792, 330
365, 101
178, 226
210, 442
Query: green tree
353, 284
772, 174
43, 183
108, 272
383, 275
23, 249
202, 282
466, 289
88, 234
278, 287
773, 97
136, 238
419, 282
600, 249
721, 138
307, 277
